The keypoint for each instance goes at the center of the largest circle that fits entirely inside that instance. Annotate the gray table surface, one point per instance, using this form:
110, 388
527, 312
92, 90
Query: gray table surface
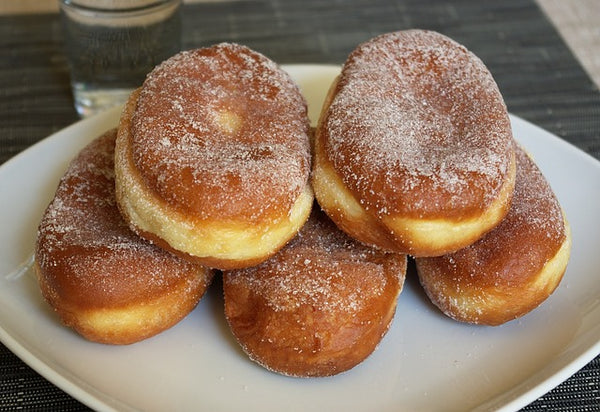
537, 74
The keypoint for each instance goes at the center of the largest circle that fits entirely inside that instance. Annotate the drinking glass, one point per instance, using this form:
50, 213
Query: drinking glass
112, 44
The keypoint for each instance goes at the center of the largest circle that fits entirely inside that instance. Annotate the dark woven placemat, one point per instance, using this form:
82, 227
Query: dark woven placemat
539, 77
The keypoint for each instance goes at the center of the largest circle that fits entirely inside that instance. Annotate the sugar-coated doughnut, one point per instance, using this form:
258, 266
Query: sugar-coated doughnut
513, 268
101, 279
319, 306
213, 157
414, 149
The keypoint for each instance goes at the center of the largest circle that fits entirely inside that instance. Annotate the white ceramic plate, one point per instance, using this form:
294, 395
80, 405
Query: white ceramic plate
425, 362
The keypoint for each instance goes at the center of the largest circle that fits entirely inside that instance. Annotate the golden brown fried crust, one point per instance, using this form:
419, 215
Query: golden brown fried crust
213, 149
101, 278
512, 269
416, 130
318, 307
222, 132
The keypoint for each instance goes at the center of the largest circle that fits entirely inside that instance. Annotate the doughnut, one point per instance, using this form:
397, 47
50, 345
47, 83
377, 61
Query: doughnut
513, 268
318, 307
213, 157
101, 279
414, 149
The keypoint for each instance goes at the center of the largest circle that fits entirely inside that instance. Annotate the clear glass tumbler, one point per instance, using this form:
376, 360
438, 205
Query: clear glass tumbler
112, 44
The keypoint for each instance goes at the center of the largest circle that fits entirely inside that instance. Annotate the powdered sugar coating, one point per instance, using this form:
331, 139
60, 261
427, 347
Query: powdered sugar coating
86, 251
530, 234
222, 132
418, 126
319, 306
324, 269
497, 276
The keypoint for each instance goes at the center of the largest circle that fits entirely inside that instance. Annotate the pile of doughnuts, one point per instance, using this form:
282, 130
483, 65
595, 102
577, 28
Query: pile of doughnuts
414, 154
212, 170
